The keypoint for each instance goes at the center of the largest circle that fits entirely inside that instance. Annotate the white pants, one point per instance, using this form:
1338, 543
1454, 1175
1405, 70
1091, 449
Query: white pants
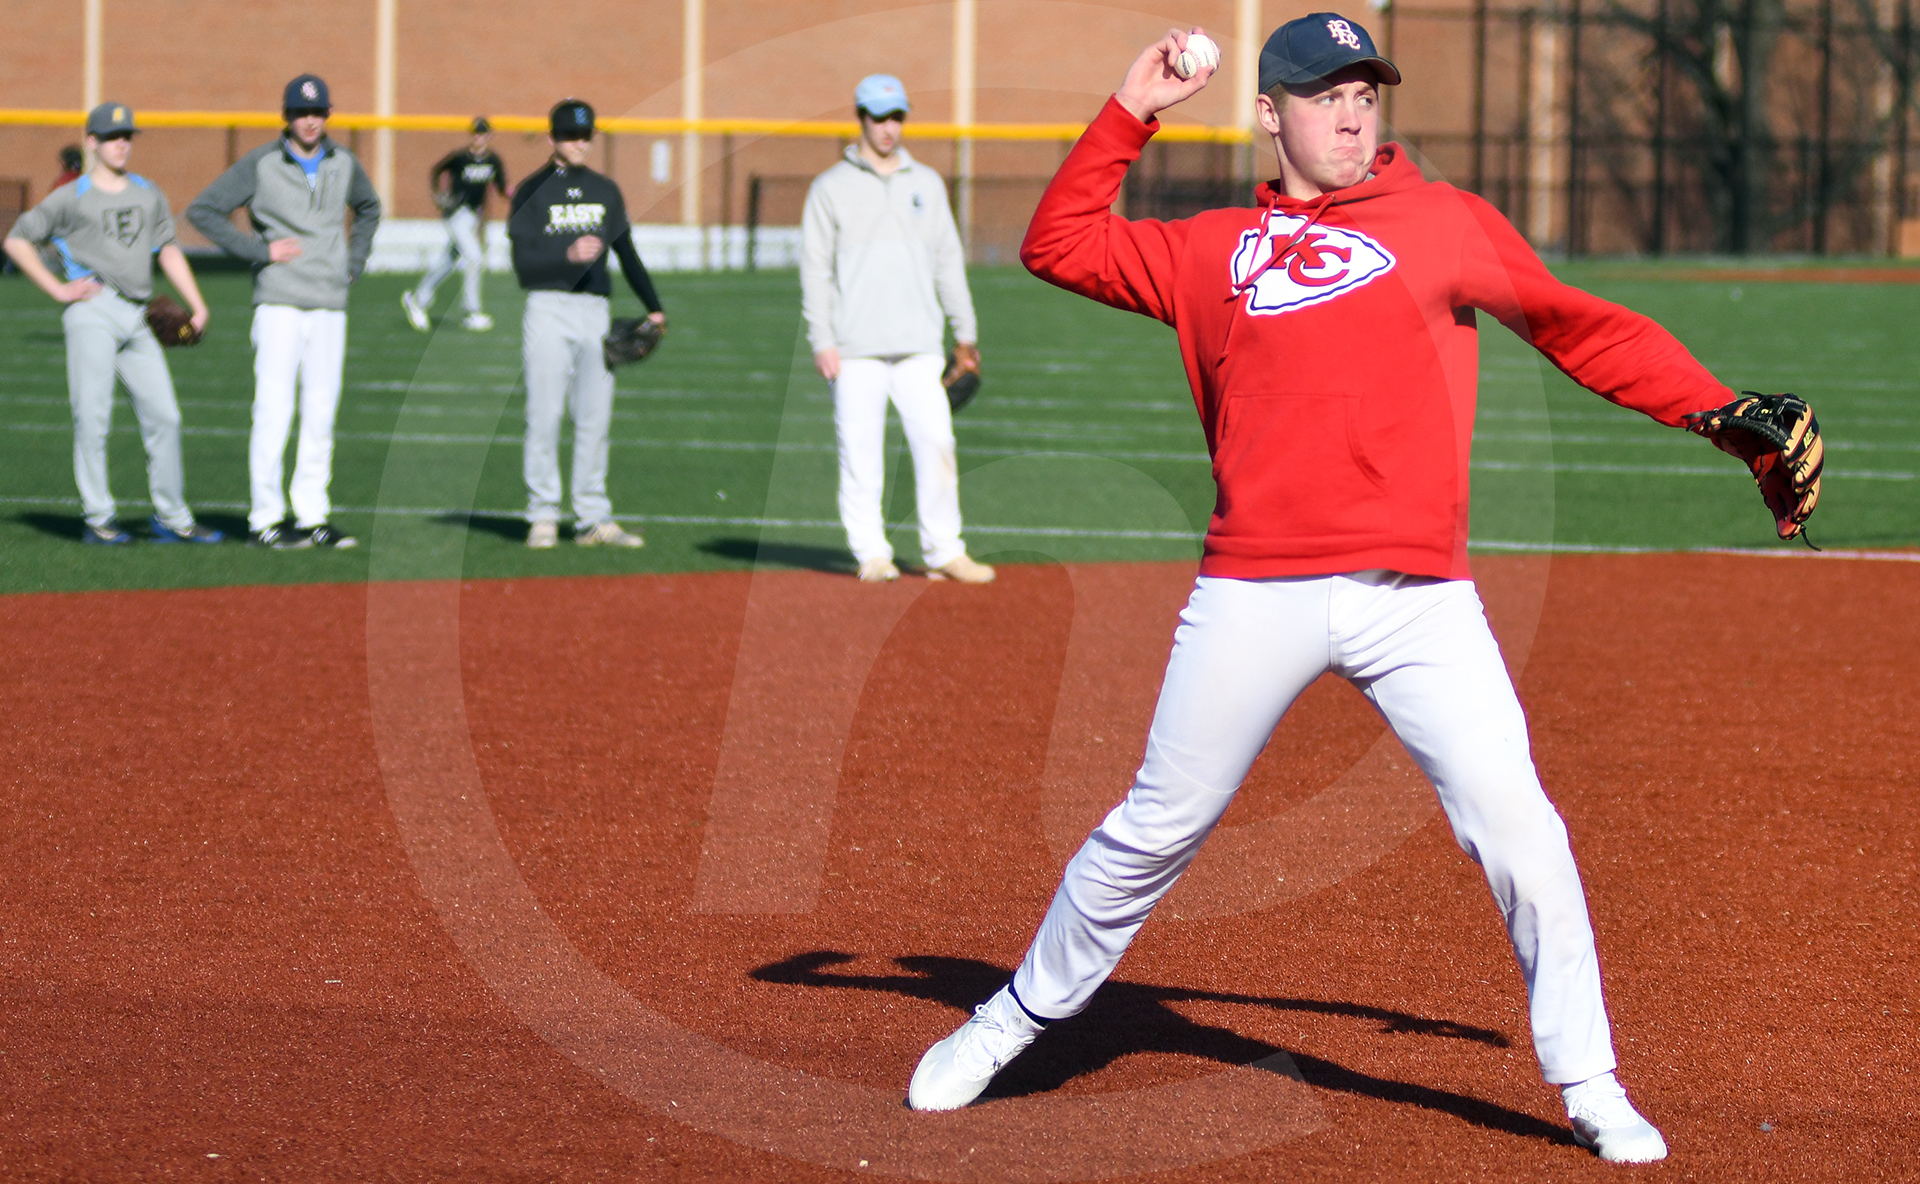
1421, 651
303, 348
860, 397
465, 250
108, 336
566, 374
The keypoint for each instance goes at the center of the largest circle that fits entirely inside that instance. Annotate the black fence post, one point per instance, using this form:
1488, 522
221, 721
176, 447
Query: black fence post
1657, 236
753, 220
1575, 162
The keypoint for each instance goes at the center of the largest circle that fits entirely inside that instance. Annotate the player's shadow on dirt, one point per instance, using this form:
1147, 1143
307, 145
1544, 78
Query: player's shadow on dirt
1131, 1017
795, 555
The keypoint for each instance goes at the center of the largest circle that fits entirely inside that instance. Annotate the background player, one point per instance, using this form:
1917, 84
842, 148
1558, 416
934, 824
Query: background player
459, 184
1331, 349
562, 221
880, 262
107, 227
297, 191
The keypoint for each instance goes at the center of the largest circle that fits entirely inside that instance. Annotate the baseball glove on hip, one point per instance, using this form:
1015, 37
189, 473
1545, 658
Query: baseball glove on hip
1779, 439
962, 377
171, 324
630, 339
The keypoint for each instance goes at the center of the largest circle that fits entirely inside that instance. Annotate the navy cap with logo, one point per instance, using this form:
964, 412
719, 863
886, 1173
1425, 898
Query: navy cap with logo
307, 93
571, 119
1317, 45
481, 126
110, 119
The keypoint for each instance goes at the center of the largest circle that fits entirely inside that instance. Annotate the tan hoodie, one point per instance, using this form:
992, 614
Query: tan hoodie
881, 267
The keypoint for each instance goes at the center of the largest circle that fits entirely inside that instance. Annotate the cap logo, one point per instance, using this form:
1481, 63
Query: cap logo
579, 115
309, 90
119, 114
1343, 33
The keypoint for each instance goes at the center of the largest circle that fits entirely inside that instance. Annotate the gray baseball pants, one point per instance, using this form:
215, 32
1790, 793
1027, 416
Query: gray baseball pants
107, 336
466, 251
566, 376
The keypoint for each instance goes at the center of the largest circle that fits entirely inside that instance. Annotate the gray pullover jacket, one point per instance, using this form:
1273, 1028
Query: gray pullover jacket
880, 262
282, 204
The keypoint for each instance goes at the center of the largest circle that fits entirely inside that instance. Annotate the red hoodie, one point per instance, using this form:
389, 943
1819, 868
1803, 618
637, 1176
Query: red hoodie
1337, 388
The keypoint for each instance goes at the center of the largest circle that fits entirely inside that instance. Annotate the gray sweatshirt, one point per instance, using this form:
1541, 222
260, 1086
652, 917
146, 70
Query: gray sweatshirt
284, 203
110, 236
881, 262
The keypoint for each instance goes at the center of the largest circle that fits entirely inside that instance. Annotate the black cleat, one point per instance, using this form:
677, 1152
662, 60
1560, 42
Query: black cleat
323, 535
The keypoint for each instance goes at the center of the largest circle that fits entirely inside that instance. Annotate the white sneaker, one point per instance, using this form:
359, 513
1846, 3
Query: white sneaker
542, 536
956, 1070
962, 570
1606, 1122
878, 571
479, 322
416, 316
607, 534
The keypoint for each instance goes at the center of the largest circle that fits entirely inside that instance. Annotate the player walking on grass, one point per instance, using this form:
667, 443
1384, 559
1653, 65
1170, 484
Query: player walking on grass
881, 274
459, 183
107, 226
297, 191
562, 222
1329, 338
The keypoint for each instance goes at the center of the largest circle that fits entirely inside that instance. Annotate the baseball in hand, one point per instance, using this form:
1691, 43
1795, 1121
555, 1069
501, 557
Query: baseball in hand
1199, 54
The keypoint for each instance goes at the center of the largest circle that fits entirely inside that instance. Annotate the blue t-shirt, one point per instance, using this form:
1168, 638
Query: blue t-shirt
308, 164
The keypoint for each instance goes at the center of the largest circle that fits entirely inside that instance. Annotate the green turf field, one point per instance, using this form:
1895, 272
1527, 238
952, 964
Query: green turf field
1083, 444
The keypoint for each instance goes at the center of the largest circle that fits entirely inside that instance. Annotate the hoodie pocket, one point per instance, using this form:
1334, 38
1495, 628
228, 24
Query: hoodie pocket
1296, 464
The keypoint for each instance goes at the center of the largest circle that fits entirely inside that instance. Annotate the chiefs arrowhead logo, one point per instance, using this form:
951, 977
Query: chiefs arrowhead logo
1325, 263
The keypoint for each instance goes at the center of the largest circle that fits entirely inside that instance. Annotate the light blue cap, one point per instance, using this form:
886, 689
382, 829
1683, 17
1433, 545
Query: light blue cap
881, 94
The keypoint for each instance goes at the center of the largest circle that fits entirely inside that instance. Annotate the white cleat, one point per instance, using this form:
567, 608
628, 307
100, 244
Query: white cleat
606, 534
416, 315
543, 535
478, 322
1605, 1122
956, 1070
962, 570
878, 571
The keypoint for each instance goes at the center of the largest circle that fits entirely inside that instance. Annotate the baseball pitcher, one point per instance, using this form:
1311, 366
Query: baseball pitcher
1329, 337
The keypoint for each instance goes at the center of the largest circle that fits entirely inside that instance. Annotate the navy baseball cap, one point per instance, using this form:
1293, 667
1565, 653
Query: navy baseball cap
570, 119
881, 94
1317, 45
307, 93
110, 119
481, 126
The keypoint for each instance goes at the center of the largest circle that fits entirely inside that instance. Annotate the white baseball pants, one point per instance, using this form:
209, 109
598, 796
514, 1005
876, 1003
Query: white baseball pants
303, 350
108, 336
1421, 651
464, 251
860, 397
566, 374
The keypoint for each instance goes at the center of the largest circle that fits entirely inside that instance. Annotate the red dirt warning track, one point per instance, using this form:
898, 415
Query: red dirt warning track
226, 956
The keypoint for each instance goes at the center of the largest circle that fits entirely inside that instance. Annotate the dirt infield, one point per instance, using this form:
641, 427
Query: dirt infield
238, 946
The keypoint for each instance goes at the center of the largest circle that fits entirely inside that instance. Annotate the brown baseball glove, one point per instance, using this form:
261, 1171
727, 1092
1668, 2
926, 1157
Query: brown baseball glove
962, 378
1779, 439
171, 324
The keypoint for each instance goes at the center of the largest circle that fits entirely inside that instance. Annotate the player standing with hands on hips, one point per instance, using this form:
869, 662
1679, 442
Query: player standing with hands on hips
107, 227
297, 191
564, 219
1329, 340
882, 272
467, 173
